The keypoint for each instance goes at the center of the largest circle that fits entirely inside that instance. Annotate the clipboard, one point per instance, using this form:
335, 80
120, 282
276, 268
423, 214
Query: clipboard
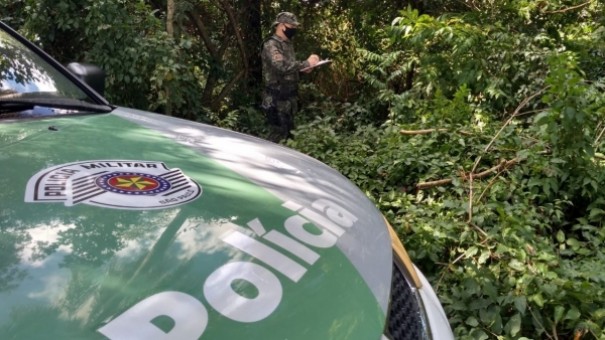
319, 63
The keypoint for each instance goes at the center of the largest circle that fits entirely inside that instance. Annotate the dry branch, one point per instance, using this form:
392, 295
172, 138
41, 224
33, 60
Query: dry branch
421, 132
569, 8
427, 131
432, 184
515, 113
503, 165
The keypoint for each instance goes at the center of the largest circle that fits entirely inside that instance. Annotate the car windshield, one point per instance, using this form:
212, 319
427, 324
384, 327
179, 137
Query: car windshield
31, 87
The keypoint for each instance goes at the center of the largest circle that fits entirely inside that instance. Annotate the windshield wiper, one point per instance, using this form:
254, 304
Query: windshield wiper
14, 104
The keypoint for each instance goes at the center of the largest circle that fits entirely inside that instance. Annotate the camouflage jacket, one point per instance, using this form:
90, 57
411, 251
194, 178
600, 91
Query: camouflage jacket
280, 67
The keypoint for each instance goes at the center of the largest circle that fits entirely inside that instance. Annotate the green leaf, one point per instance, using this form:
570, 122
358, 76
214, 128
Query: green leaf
573, 314
559, 310
574, 243
538, 299
484, 256
521, 304
470, 252
478, 334
560, 236
517, 265
472, 321
594, 213
513, 326
599, 314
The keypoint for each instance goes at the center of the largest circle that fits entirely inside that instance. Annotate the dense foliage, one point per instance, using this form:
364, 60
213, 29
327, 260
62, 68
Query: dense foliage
489, 163
477, 127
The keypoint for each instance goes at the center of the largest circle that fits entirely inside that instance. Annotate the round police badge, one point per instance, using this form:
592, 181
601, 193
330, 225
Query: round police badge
133, 183
115, 184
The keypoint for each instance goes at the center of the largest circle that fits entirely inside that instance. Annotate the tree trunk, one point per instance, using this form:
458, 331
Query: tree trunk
252, 32
170, 9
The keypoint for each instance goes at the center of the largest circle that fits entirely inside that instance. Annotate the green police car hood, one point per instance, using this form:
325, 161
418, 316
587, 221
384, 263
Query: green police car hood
136, 225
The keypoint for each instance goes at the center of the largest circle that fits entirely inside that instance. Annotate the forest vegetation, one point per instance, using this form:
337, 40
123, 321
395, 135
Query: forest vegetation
476, 126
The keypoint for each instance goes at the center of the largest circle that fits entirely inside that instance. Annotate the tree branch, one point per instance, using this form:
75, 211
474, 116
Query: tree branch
427, 131
226, 89
170, 13
195, 17
523, 103
569, 8
240, 42
432, 184
503, 165
598, 139
421, 132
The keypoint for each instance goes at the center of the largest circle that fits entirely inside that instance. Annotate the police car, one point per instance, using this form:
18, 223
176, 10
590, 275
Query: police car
122, 224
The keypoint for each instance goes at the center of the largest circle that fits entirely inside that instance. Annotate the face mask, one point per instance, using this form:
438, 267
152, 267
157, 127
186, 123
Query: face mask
290, 32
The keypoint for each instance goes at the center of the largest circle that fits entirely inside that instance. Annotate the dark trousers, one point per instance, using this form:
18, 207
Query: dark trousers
280, 116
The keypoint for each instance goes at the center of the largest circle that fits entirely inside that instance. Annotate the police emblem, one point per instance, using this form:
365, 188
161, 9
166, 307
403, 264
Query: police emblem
135, 185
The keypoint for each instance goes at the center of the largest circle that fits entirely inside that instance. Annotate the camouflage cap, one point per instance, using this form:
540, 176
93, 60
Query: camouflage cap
286, 18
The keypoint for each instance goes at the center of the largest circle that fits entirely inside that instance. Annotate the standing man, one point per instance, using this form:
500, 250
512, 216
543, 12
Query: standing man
281, 75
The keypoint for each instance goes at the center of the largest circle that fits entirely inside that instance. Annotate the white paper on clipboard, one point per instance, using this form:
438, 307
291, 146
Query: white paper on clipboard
319, 63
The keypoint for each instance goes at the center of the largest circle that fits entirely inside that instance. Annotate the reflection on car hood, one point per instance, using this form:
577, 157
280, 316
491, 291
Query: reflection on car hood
108, 217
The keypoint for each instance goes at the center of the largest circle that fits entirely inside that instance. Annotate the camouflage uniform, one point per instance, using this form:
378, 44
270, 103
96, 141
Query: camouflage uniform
281, 76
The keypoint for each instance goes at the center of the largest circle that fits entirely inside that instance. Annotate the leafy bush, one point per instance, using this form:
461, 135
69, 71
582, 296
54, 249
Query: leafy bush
487, 166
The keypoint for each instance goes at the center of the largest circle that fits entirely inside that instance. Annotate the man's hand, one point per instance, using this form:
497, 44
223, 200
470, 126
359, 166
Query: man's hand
313, 59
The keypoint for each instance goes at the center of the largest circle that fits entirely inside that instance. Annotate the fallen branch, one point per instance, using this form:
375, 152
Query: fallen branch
432, 184
427, 131
421, 132
515, 113
503, 165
